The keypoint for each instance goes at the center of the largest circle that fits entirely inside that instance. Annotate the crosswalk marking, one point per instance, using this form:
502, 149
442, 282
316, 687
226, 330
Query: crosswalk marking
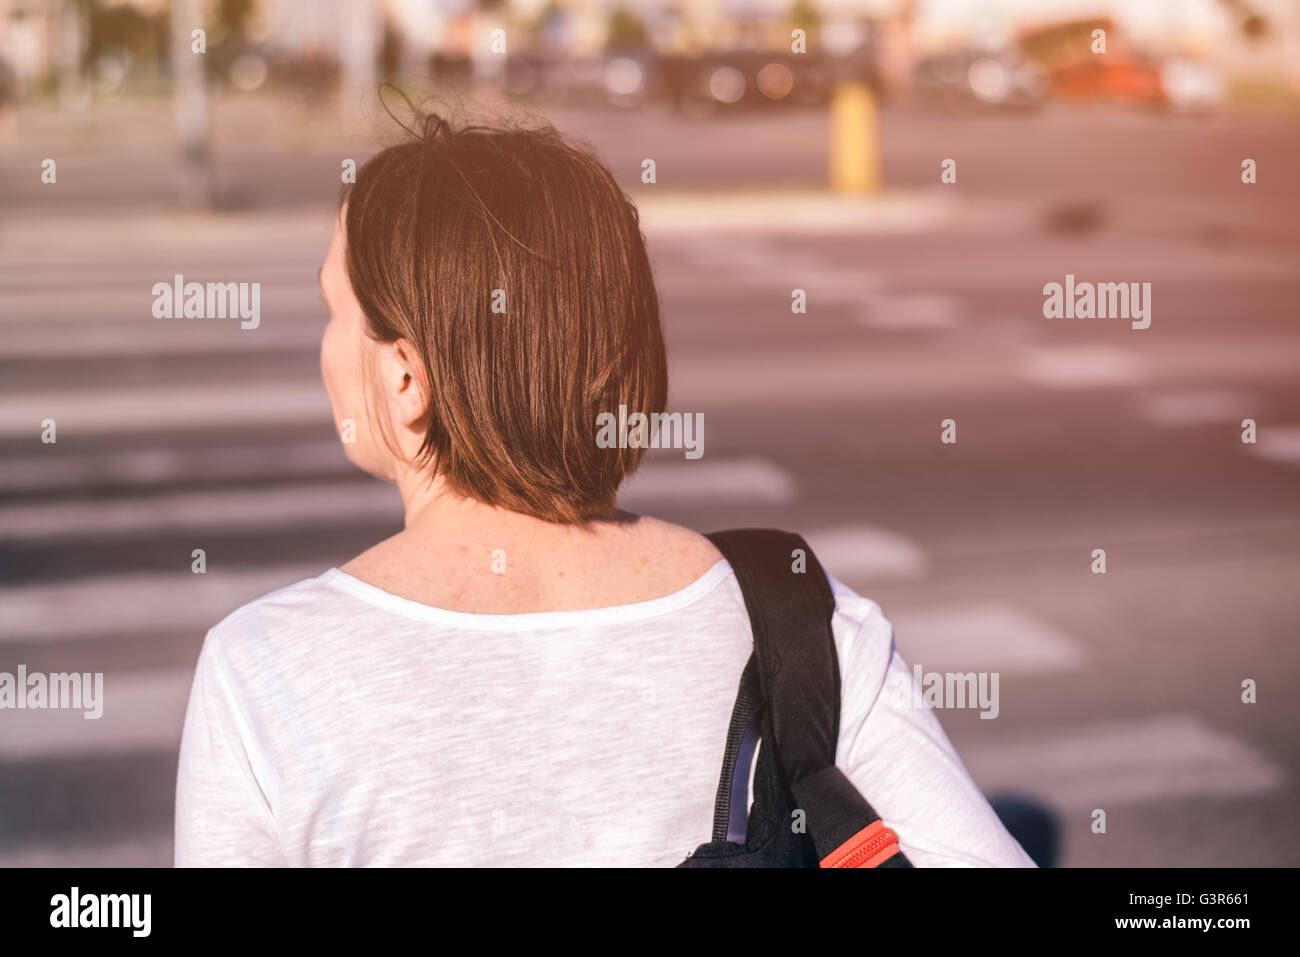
844, 284
143, 603
911, 311
150, 849
734, 482
817, 213
270, 507
1116, 762
1277, 443
130, 340
746, 481
866, 552
51, 470
160, 408
78, 307
986, 636
702, 381
1081, 366
142, 711
1197, 407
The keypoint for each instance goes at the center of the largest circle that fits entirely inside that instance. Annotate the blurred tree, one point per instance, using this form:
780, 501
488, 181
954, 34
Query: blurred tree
805, 15
390, 54
235, 16
553, 25
142, 35
1254, 26
1251, 22
626, 31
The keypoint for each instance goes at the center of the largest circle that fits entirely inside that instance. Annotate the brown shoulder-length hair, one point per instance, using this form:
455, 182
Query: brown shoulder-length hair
514, 264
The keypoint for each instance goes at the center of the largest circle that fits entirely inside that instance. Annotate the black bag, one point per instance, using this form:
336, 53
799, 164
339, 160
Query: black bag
789, 698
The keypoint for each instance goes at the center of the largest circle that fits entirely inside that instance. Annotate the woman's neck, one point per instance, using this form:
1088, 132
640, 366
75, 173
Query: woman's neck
461, 554
433, 509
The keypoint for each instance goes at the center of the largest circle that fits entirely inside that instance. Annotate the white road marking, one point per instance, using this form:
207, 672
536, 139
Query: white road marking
51, 470
58, 304
983, 637
179, 602
1082, 366
1200, 407
753, 481
664, 212
263, 508
141, 711
911, 311
1277, 443
134, 340
719, 379
727, 482
154, 409
837, 283
1115, 762
733, 252
154, 849
866, 551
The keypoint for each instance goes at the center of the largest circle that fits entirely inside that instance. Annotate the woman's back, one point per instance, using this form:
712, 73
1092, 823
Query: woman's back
337, 723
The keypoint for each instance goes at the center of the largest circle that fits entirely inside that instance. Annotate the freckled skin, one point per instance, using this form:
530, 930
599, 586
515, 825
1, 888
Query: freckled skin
444, 555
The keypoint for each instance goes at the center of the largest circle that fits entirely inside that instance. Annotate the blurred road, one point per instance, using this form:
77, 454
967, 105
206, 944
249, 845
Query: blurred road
1119, 692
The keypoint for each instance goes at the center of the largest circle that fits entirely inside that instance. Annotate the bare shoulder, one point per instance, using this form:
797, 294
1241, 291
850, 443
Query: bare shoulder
377, 562
683, 547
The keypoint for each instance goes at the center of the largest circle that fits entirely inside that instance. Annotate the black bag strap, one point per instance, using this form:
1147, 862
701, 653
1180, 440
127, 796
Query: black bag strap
790, 604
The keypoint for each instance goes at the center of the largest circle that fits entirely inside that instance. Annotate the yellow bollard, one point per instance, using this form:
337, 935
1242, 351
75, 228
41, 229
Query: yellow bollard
854, 141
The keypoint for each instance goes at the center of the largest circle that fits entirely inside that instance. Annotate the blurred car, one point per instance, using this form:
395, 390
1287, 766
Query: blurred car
710, 81
977, 78
623, 80
1092, 60
1116, 78
1192, 86
722, 80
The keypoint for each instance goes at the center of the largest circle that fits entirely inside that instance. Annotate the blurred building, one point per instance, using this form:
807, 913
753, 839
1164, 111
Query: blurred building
1256, 40
1246, 39
27, 49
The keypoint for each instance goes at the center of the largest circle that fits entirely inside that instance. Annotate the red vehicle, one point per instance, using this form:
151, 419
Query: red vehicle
1077, 73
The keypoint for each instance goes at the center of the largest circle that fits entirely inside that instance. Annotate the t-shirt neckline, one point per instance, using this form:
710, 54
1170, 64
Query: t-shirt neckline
533, 619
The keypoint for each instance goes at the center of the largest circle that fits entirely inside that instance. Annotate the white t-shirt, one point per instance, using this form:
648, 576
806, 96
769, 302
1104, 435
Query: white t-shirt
334, 723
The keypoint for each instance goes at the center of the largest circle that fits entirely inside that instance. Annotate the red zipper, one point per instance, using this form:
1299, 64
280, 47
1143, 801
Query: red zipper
870, 847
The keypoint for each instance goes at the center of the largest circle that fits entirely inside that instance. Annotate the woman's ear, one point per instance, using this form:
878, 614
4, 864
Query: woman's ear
401, 375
